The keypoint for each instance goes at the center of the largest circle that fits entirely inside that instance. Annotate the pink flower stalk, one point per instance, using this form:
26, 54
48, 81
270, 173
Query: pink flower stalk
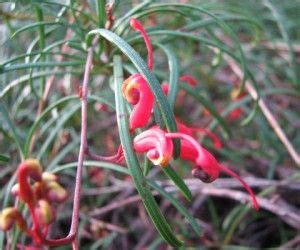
159, 148
136, 89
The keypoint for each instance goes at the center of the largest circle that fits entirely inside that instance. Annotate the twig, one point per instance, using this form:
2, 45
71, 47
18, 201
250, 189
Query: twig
71, 237
292, 244
288, 214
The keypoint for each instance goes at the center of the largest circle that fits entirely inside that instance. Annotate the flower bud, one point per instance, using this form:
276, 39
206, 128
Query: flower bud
44, 212
15, 189
47, 177
55, 192
9, 216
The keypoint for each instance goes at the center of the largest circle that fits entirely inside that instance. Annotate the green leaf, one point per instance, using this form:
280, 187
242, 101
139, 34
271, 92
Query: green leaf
133, 165
39, 64
162, 102
34, 25
4, 158
179, 207
12, 128
24, 78
56, 104
172, 174
98, 164
173, 68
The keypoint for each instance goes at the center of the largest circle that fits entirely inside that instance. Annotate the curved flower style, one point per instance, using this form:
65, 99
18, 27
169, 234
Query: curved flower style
190, 130
136, 25
137, 92
136, 89
158, 145
30, 168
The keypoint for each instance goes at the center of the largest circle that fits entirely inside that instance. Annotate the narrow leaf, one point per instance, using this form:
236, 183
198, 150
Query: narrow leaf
133, 165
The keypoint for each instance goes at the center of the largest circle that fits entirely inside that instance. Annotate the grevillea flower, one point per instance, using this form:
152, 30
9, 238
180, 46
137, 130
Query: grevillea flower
158, 146
136, 90
38, 191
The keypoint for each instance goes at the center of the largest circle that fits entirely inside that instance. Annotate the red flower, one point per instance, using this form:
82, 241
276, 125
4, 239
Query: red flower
159, 147
136, 89
138, 93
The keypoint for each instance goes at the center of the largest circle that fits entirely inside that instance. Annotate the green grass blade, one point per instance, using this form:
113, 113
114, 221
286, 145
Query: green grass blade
179, 207
12, 129
172, 174
174, 73
97, 164
4, 158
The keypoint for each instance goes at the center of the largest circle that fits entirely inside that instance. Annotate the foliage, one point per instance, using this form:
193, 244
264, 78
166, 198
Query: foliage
43, 51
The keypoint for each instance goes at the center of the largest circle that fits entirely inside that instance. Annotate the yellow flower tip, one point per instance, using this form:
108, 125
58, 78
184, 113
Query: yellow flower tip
34, 166
56, 192
162, 161
9, 216
47, 177
130, 90
44, 212
234, 93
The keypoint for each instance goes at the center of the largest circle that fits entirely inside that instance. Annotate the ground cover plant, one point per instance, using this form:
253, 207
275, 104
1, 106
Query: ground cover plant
149, 124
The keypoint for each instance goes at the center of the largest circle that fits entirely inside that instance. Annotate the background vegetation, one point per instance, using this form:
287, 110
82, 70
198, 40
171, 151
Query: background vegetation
226, 45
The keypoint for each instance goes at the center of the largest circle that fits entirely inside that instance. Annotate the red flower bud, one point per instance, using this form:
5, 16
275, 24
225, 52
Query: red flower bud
9, 216
44, 213
55, 192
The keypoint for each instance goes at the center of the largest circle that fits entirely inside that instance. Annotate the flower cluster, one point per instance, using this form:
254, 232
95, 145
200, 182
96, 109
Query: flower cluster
157, 143
40, 192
